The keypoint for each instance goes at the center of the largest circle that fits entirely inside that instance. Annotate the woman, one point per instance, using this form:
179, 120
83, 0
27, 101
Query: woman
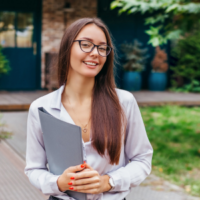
116, 149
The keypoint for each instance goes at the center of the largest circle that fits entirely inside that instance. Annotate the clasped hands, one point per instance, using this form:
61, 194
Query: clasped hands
87, 180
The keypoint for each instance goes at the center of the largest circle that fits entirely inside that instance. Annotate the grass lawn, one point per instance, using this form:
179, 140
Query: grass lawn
174, 133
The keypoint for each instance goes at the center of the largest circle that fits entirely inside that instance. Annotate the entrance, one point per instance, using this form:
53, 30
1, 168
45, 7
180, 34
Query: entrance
18, 37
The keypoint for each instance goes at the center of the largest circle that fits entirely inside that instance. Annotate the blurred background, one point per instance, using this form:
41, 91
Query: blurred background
157, 45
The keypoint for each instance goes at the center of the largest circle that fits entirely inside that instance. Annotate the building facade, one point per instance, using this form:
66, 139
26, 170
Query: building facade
29, 30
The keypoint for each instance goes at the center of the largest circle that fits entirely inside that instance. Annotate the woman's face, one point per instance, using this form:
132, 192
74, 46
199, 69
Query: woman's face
88, 64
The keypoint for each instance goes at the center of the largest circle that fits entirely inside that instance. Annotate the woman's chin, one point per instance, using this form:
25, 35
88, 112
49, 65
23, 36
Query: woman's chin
89, 74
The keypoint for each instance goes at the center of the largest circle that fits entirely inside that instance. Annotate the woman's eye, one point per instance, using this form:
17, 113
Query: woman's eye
102, 49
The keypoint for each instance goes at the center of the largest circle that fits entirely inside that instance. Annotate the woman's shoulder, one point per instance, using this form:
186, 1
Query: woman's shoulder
125, 97
47, 100
43, 100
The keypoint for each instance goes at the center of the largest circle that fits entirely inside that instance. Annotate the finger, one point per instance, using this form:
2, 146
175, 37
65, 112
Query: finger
71, 176
76, 168
86, 181
85, 170
85, 187
88, 166
86, 174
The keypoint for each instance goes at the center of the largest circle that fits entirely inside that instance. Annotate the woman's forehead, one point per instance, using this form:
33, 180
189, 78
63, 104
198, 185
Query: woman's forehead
92, 33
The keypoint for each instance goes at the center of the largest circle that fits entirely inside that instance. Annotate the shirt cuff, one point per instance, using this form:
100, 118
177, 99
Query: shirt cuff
49, 185
54, 186
121, 179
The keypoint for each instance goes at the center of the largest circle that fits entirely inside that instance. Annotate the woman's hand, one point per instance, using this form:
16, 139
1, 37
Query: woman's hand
89, 181
64, 181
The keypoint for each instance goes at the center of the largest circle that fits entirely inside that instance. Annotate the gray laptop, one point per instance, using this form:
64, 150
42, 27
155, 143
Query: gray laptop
63, 146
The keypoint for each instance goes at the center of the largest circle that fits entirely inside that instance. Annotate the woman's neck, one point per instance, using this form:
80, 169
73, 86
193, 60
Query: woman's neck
78, 89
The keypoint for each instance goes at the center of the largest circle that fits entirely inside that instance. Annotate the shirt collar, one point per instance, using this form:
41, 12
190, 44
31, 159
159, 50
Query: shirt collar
56, 98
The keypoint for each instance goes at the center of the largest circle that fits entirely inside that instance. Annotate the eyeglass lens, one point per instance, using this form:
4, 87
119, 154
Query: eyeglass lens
87, 46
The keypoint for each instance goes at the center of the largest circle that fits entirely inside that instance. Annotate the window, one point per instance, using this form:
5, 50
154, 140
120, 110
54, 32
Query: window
16, 29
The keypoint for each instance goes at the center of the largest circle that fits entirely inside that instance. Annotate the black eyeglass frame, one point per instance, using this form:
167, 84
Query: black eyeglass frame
94, 45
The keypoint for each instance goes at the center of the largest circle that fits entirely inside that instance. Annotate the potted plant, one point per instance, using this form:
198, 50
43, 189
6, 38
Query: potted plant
135, 59
158, 77
4, 63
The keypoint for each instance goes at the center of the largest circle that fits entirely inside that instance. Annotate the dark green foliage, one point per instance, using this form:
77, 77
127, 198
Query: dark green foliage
168, 19
4, 64
187, 52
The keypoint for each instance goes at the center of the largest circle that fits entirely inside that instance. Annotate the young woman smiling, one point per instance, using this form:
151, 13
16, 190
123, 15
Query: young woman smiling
116, 149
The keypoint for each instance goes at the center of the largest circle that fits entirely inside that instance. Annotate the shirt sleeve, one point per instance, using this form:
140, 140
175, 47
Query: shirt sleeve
138, 152
36, 160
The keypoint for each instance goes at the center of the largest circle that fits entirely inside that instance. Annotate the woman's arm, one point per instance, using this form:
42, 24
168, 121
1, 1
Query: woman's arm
138, 151
36, 159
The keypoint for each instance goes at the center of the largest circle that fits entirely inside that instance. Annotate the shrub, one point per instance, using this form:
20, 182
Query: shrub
4, 63
135, 56
159, 62
4, 133
187, 69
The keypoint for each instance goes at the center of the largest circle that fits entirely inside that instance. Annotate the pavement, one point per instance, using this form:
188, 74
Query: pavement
14, 183
18, 101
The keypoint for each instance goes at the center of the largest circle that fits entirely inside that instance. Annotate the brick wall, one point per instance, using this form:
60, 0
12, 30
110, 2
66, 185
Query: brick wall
55, 20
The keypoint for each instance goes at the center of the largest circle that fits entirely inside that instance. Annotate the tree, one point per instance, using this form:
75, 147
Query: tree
168, 19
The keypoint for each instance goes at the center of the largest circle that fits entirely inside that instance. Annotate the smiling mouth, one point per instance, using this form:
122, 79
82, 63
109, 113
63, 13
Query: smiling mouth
90, 63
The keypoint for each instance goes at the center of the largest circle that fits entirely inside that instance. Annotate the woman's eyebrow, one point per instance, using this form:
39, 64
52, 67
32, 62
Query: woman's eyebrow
92, 40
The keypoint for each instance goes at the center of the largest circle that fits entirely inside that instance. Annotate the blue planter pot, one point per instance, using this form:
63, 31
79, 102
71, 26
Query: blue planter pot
132, 81
157, 81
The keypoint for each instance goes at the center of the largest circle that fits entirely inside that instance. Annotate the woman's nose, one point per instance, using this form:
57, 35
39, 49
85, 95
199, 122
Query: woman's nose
94, 51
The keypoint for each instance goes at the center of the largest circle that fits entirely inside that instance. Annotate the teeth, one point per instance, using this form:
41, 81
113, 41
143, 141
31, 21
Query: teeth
90, 63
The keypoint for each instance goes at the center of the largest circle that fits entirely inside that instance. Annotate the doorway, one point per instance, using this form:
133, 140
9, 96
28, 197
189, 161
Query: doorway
21, 45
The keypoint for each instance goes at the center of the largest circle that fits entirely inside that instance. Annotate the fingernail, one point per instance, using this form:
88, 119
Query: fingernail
70, 183
75, 190
71, 188
82, 166
72, 178
84, 161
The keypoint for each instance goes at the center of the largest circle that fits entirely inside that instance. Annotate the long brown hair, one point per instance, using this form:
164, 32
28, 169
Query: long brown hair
107, 115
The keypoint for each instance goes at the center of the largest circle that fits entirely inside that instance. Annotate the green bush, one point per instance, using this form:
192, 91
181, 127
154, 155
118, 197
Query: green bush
4, 63
187, 69
4, 133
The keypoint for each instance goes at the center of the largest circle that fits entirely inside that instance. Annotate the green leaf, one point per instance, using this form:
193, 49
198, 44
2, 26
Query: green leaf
150, 32
174, 34
172, 7
154, 41
115, 4
133, 10
195, 82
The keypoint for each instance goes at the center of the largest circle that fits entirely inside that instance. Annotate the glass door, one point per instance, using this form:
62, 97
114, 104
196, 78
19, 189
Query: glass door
17, 40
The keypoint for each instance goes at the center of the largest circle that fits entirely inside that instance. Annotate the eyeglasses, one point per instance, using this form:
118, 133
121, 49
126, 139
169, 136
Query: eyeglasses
87, 46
